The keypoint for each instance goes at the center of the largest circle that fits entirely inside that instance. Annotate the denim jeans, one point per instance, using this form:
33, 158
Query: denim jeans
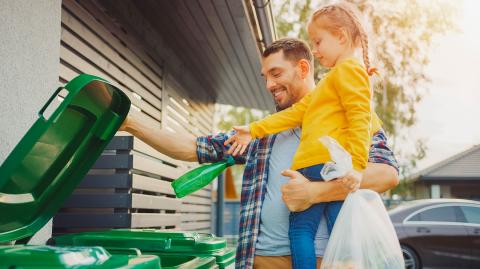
304, 225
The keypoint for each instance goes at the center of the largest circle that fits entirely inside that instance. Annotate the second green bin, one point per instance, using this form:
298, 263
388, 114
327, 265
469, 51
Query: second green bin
165, 244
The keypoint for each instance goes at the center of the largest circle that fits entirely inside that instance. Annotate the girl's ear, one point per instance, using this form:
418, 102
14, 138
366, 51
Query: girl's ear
343, 36
304, 68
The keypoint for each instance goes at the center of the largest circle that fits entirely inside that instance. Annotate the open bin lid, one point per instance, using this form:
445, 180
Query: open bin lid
56, 153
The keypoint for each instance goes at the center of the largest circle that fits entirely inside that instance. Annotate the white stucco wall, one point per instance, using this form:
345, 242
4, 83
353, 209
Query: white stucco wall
29, 53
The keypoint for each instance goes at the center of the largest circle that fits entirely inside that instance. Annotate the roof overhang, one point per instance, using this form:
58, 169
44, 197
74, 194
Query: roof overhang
218, 42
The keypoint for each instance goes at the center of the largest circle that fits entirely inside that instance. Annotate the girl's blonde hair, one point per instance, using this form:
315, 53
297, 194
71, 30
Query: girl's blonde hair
343, 16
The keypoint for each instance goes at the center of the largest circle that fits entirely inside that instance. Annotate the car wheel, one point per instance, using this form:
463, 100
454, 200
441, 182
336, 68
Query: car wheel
411, 258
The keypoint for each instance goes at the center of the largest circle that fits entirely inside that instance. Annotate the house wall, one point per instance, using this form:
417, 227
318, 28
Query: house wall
421, 191
29, 50
467, 190
95, 42
449, 189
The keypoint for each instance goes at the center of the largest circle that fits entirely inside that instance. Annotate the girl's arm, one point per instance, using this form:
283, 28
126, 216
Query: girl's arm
281, 121
275, 123
352, 84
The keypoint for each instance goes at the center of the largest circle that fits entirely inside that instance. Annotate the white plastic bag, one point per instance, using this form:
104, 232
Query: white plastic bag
342, 160
363, 236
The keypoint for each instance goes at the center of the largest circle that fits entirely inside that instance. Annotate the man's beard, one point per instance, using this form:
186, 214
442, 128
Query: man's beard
277, 106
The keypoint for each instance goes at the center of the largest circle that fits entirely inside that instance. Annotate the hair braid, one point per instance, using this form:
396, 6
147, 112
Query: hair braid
363, 38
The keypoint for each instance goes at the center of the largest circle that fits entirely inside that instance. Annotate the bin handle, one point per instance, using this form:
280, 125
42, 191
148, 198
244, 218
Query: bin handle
40, 113
23, 198
136, 250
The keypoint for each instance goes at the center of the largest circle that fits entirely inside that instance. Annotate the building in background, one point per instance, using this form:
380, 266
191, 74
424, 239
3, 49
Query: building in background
455, 177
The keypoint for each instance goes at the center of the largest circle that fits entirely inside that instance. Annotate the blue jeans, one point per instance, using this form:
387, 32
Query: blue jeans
304, 225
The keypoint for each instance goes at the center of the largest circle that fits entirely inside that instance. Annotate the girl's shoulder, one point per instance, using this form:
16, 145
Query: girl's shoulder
348, 67
349, 63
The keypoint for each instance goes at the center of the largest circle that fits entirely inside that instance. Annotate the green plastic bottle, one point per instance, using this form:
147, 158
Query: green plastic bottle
199, 177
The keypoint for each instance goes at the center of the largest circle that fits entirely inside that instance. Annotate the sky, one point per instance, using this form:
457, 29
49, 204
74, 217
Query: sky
449, 114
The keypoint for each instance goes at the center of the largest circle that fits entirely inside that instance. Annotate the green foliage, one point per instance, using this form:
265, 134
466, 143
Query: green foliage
238, 116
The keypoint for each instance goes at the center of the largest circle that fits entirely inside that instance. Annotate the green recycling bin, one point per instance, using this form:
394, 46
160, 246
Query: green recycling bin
23, 257
168, 245
45, 167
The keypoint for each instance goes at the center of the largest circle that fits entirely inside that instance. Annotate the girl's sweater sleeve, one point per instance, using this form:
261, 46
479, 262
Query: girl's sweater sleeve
281, 121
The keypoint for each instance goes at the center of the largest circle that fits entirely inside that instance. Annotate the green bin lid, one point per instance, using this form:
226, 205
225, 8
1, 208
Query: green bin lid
184, 262
56, 153
156, 242
146, 240
71, 257
173, 261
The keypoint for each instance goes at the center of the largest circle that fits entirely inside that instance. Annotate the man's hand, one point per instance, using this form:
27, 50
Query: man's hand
297, 193
240, 140
125, 124
352, 180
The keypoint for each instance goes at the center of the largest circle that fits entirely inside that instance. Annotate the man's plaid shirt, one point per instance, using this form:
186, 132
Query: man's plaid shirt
211, 149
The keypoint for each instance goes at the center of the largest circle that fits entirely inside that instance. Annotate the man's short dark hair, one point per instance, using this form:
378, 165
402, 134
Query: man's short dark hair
293, 50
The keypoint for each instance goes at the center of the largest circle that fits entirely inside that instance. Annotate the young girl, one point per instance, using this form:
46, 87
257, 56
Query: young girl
339, 107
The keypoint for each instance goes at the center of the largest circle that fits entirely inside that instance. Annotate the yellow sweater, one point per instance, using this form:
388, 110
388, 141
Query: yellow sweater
339, 106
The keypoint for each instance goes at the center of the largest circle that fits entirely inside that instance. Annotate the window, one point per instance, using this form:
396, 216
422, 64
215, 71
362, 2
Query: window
471, 213
442, 214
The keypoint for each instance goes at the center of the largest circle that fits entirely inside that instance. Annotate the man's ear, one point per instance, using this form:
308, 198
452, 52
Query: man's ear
304, 67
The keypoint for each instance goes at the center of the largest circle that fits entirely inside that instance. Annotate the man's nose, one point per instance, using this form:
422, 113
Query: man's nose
271, 84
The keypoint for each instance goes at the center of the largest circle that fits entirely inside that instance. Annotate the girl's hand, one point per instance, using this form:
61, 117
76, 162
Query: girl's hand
352, 180
239, 140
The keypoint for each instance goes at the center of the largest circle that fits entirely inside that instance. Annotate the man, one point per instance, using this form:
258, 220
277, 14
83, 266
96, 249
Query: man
267, 196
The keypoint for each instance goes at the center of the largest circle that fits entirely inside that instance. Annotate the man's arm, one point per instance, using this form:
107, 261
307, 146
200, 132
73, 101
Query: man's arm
300, 193
180, 146
377, 176
183, 146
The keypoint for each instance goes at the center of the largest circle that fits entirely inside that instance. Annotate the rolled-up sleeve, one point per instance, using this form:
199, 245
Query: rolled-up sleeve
210, 149
380, 152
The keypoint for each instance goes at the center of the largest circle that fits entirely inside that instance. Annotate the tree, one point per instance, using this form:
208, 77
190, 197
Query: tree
232, 116
403, 33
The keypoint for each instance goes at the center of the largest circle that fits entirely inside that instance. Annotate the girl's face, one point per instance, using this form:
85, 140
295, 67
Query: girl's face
326, 47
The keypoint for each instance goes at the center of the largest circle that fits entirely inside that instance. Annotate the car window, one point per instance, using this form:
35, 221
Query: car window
443, 214
471, 213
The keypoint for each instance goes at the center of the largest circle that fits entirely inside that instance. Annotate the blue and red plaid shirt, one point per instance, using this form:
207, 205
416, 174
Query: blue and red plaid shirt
256, 158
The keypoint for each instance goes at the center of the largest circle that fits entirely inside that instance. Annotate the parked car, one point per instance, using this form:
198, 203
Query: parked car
439, 233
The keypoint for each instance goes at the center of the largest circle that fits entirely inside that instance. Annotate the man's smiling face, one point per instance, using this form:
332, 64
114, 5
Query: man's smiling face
283, 79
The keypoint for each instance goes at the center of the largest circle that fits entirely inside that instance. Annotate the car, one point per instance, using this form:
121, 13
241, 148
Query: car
438, 233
